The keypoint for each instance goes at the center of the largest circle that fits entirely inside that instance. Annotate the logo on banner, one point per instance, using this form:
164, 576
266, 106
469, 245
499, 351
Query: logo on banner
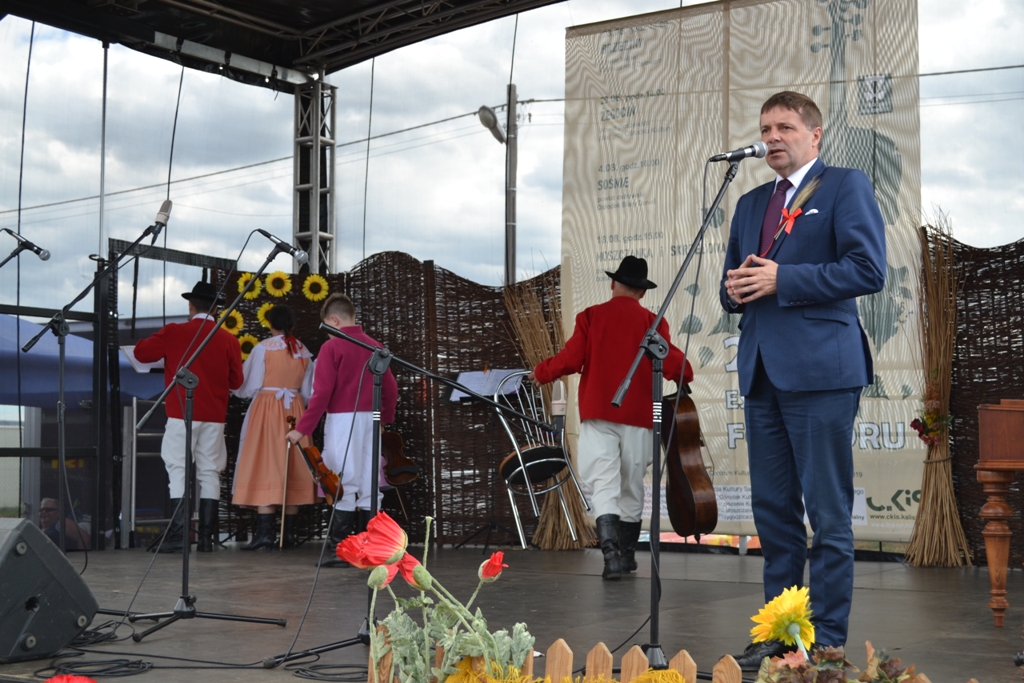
875, 94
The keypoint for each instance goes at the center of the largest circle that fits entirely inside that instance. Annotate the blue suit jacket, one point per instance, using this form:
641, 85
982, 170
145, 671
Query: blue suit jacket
808, 334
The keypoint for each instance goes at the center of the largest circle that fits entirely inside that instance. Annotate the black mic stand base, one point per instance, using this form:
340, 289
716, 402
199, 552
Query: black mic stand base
185, 609
489, 528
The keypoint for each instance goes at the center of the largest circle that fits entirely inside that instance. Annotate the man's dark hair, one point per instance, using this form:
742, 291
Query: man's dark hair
794, 101
201, 305
338, 304
281, 318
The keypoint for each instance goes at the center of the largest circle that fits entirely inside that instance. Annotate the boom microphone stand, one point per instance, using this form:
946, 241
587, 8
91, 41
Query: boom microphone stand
58, 324
185, 607
378, 365
655, 348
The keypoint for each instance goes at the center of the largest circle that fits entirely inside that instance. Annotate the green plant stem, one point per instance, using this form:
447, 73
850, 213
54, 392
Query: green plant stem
373, 633
475, 593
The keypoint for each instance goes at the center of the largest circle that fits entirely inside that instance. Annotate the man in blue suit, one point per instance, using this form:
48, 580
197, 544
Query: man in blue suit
801, 249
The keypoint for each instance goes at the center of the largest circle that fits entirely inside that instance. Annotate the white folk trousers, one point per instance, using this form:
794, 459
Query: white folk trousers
613, 459
208, 453
356, 470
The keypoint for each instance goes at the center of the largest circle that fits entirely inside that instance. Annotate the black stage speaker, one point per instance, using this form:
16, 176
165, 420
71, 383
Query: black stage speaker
44, 604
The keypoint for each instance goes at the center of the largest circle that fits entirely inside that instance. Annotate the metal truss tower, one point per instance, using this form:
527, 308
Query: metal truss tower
313, 212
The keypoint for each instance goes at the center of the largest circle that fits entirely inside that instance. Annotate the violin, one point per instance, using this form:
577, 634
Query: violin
689, 493
322, 475
399, 470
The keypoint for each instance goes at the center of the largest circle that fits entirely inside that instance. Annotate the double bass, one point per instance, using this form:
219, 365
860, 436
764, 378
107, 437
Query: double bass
689, 493
322, 474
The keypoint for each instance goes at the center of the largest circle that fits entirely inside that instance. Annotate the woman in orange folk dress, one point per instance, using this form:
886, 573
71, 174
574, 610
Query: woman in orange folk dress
279, 379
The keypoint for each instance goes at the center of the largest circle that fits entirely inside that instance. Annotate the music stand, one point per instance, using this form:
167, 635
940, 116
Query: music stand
378, 364
655, 348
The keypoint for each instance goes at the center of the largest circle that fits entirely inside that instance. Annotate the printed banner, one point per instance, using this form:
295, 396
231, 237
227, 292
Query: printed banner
648, 99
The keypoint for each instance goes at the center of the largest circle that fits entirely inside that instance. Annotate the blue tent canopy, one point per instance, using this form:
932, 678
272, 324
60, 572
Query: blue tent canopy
39, 377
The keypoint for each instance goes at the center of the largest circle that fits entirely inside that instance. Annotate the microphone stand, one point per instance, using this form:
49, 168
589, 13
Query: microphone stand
17, 250
185, 607
655, 348
58, 324
378, 365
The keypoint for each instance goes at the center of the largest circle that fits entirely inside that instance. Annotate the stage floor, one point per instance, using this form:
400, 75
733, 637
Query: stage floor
936, 618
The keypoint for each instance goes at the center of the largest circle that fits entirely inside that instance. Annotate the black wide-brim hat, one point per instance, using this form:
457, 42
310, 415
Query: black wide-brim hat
633, 272
204, 291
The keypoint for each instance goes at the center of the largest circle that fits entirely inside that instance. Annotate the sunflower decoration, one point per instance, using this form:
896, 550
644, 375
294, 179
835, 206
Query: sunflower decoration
256, 286
248, 342
786, 618
261, 313
315, 287
278, 284
233, 322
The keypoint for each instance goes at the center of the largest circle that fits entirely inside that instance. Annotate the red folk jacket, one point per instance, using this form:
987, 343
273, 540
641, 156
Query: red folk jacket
218, 367
601, 349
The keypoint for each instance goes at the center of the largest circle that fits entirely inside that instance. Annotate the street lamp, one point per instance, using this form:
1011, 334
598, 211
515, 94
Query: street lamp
507, 137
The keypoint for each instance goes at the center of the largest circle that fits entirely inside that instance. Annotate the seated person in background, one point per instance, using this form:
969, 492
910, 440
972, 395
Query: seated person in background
76, 536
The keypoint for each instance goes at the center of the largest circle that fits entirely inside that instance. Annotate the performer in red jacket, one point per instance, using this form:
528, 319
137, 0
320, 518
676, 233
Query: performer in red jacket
615, 444
219, 369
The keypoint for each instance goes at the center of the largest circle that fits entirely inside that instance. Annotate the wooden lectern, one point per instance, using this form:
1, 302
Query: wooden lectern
1000, 454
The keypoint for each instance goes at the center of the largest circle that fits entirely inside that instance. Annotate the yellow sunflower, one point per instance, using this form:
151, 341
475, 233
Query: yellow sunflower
278, 284
315, 288
233, 322
247, 342
784, 618
261, 314
252, 293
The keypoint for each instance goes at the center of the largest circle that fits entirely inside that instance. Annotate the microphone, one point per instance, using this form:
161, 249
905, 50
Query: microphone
757, 150
294, 252
162, 216
23, 244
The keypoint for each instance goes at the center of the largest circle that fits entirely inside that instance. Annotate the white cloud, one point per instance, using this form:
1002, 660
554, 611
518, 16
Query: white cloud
435, 192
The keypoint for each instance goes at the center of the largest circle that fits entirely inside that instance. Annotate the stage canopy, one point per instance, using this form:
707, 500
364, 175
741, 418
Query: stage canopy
271, 43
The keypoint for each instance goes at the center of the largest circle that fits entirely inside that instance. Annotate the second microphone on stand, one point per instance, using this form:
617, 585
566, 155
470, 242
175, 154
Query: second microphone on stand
300, 256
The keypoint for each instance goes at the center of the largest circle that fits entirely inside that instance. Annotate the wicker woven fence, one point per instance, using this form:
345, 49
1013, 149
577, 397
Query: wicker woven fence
443, 323
988, 365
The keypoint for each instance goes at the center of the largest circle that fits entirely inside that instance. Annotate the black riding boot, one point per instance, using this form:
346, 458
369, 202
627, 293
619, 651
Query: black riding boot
207, 525
174, 538
362, 519
290, 540
629, 534
608, 539
342, 526
264, 536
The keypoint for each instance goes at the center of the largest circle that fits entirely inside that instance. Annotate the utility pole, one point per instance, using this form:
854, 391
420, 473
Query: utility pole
511, 163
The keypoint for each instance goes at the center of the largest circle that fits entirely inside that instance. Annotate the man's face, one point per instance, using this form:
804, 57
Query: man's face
47, 514
790, 144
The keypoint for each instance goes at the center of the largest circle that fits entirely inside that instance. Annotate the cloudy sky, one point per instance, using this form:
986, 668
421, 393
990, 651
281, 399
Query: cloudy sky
435, 192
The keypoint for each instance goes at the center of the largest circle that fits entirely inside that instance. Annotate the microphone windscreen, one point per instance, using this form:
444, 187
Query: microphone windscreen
760, 149
44, 255
301, 257
164, 214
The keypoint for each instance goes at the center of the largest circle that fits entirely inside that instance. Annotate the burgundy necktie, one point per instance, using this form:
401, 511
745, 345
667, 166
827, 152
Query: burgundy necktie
773, 216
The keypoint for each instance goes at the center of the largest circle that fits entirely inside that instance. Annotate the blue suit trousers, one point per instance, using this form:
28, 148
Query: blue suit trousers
801, 456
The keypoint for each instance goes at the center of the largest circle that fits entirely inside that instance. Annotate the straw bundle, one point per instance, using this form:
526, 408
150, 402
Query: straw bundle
535, 312
938, 539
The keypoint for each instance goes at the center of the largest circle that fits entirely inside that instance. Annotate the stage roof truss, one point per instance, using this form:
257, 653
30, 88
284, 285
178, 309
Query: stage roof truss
270, 43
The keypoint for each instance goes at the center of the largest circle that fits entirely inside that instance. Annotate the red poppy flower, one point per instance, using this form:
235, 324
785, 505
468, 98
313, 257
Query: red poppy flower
491, 569
383, 542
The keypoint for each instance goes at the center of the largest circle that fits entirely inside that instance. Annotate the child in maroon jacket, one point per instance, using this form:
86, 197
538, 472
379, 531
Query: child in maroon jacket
343, 389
